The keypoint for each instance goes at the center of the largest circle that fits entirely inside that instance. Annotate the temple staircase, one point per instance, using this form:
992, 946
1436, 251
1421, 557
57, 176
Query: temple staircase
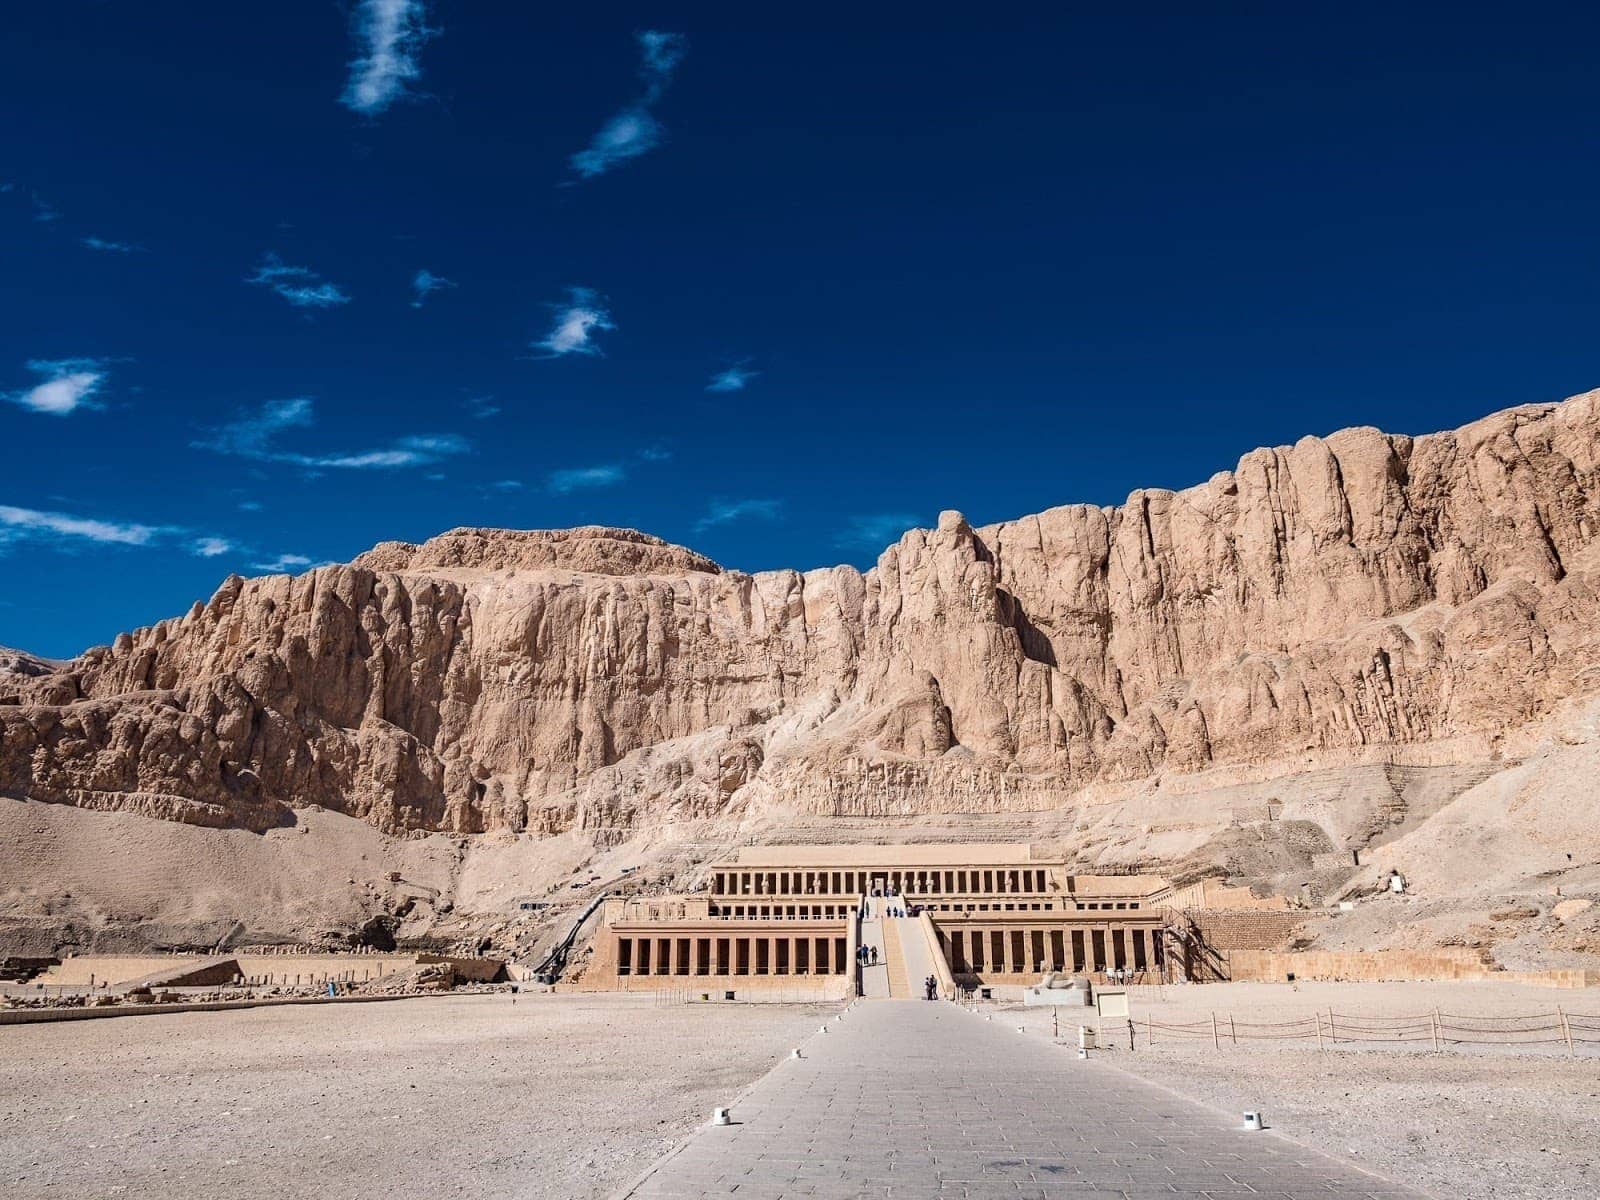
875, 983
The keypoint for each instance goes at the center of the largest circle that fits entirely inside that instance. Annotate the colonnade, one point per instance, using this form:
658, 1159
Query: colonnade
740, 881
784, 912
1010, 950
755, 954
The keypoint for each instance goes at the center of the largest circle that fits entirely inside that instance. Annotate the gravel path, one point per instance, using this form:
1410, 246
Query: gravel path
555, 1096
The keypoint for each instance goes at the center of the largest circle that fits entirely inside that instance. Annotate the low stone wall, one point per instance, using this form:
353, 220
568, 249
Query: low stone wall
44, 1016
282, 970
1227, 930
110, 968
1381, 966
266, 970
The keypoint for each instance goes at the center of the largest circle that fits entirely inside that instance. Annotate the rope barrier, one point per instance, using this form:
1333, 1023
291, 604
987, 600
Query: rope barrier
1533, 1029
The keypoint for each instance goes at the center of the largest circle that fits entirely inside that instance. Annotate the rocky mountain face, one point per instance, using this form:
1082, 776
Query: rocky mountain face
1358, 599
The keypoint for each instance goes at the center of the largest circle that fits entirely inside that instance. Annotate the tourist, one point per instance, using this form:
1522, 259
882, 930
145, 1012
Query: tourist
874, 956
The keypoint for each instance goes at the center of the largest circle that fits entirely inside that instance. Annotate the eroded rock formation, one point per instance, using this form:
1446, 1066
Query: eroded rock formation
1357, 598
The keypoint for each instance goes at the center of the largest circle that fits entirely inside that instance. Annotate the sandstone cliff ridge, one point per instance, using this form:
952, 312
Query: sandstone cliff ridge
1362, 598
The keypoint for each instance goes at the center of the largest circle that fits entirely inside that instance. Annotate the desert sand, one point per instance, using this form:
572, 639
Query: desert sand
555, 1096
1469, 1123
572, 1096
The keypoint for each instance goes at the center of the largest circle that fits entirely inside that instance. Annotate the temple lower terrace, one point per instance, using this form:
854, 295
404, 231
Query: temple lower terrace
972, 915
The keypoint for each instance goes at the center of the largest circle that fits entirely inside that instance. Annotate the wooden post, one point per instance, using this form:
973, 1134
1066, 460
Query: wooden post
1130, 1033
1332, 1032
1436, 1030
1216, 1041
1317, 1017
1566, 1027
1232, 1031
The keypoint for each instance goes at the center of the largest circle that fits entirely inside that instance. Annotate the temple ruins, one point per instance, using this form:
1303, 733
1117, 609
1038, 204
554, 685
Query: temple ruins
980, 914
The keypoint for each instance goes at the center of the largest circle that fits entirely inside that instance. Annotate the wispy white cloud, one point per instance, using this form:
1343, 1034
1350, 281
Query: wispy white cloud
634, 130
211, 547
661, 54
724, 511
575, 478
67, 531
655, 454
389, 36
425, 283
282, 564
101, 244
300, 286
68, 385
731, 379
874, 530
482, 407
18, 523
575, 323
253, 436
43, 211
628, 134
507, 485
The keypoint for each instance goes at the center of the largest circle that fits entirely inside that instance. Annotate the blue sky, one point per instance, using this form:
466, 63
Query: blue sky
279, 284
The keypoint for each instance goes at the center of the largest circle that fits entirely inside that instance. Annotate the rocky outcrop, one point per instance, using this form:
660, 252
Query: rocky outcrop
1357, 598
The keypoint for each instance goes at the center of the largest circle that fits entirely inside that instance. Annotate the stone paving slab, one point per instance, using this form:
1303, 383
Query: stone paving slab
906, 1098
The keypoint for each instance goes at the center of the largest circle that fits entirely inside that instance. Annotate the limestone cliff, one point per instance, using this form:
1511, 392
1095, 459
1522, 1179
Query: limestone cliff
1357, 599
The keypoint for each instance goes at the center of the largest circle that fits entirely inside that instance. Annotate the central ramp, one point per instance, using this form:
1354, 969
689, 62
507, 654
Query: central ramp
908, 1098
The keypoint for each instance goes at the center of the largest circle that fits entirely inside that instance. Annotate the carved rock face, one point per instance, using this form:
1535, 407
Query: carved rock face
1321, 603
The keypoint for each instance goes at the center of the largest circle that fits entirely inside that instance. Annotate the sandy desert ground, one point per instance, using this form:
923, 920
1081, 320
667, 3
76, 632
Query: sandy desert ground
565, 1096
1469, 1123
570, 1096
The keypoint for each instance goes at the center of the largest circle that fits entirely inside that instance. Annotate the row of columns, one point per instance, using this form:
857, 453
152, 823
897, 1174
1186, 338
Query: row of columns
761, 954
1011, 951
919, 882
784, 912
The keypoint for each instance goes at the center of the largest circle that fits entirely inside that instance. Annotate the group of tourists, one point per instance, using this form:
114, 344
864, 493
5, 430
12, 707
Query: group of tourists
867, 956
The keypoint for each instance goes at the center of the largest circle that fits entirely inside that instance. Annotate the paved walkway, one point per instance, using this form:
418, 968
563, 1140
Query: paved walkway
905, 1098
875, 980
